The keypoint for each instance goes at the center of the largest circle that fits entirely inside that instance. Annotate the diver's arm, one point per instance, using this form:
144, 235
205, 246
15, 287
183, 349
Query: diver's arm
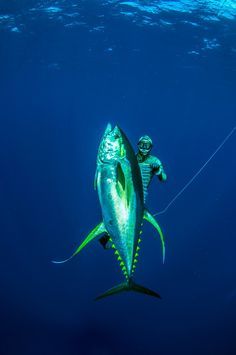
162, 176
159, 170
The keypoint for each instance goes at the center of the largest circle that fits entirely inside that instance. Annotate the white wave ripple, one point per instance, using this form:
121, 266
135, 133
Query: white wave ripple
160, 12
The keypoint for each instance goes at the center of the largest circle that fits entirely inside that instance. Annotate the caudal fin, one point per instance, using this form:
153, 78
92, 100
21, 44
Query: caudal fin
128, 286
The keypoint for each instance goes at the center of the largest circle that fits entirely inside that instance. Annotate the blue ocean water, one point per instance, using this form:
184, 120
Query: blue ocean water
162, 68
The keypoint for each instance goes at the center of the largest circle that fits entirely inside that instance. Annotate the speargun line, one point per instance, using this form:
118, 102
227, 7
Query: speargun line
197, 173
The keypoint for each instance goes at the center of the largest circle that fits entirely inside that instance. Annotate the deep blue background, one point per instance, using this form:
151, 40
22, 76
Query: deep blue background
59, 88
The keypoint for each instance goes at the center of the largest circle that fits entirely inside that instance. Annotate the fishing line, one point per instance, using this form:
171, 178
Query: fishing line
197, 173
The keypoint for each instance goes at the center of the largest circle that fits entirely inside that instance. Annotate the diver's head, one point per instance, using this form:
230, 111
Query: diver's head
145, 145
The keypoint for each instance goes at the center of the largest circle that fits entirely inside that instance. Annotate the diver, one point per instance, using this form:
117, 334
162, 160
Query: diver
149, 166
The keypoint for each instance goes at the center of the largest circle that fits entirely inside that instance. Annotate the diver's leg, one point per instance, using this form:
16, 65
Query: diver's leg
104, 241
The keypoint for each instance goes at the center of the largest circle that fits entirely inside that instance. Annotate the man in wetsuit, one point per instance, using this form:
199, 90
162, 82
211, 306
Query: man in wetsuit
149, 166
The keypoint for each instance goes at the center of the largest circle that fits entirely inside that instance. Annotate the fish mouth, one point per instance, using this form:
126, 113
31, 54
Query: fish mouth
112, 132
108, 129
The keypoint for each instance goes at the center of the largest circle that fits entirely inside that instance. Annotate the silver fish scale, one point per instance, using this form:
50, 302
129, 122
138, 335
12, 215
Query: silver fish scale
123, 234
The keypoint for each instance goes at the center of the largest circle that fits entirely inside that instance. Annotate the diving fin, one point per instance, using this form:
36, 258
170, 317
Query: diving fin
104, 241
100, 228
147, 215
128, 286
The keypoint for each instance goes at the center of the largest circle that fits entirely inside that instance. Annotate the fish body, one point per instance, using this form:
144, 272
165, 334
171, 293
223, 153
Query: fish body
120, 192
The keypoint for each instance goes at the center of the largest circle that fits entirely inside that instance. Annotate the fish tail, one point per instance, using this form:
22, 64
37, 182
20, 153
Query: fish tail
128, 286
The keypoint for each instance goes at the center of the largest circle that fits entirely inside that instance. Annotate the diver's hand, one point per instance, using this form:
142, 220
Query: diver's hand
163, 177
156, 167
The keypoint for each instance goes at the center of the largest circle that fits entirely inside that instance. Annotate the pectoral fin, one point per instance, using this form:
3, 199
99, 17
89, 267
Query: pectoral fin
100, 228
120, 182
147, 215
123, 188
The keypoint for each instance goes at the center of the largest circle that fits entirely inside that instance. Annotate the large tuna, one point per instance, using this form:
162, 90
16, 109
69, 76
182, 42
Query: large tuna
119, 185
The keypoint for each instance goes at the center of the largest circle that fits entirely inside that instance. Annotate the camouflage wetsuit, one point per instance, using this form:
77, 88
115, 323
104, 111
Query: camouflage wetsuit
150, 166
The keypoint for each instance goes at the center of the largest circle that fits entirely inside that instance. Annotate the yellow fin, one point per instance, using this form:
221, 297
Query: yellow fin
152, 220
99, 229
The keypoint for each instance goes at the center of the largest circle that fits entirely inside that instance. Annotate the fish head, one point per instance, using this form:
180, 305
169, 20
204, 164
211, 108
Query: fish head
112, 145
